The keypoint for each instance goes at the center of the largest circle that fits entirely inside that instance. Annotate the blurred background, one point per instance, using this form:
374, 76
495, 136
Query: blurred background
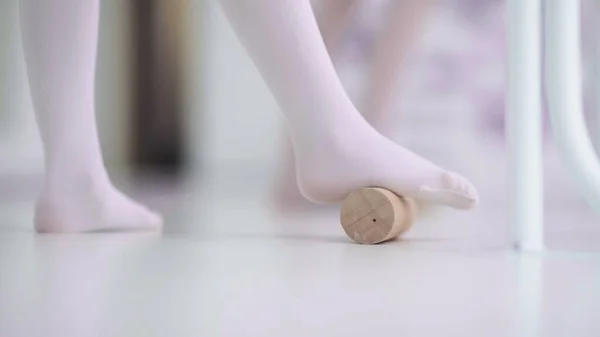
188, 127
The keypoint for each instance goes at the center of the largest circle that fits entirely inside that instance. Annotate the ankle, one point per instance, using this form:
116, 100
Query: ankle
75, 180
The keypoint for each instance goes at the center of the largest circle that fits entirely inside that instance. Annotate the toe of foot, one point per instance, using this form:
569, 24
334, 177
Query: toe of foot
455, 191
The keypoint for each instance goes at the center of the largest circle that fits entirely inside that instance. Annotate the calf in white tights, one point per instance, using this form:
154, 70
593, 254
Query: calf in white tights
60, 38
336, 149
399, 29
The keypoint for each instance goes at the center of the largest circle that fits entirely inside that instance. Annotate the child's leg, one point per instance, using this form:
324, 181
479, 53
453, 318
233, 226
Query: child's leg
403, 23
337, 151
332, 19
60, 38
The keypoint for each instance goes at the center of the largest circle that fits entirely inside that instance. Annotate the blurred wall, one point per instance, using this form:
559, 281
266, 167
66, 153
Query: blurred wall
242, 121
20, 147
113, 82
161, 63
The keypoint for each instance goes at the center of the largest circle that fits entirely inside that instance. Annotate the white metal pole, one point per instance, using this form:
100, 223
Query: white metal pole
564, 92
596, 77
524, 130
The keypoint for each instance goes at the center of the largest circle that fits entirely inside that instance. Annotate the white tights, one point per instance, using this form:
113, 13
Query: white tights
60, 38
336, 150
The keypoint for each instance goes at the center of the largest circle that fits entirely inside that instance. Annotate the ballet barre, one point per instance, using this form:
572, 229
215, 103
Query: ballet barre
524, 124
563, 83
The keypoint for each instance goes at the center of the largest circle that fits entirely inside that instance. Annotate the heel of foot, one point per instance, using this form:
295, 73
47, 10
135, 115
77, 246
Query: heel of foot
51, 217
375, 215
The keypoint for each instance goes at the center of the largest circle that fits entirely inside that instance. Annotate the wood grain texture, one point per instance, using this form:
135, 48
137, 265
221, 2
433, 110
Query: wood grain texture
374, 215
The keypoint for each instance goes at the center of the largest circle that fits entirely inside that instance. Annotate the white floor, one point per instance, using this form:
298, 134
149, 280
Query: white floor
227, 266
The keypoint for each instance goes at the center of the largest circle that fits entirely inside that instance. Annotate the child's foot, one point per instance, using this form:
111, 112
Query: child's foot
332, 165
88, 205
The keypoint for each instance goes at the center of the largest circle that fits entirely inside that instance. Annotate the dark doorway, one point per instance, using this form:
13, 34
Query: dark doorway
159, 64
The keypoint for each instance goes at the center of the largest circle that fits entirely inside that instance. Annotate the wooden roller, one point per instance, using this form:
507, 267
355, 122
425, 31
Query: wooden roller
374, 215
